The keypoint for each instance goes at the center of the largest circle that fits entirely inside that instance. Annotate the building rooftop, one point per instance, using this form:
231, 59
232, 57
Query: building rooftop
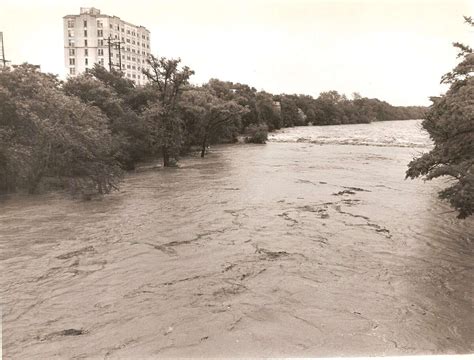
90, 11
96, 12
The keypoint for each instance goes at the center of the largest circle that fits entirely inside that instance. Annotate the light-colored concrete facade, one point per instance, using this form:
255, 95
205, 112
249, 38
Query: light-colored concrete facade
86, 42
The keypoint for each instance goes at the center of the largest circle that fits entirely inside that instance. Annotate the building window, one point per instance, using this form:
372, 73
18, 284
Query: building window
71, 42
128, 57
101, 62
70, 33
116, 37
72, 71
100, 52
100, 33
128, 66
85, 33
148, 46
134, 59
128, 40
86, 61
117, 55
128, 49
122, 29
70, 23
100, 24
72, 52
101, 42
111, 26
118, 28
134, 67
72, 61
123, 57
128, 32
133, 51
85, 23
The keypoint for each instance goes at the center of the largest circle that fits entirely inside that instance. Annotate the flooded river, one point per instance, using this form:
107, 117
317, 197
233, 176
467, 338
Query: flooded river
311, 245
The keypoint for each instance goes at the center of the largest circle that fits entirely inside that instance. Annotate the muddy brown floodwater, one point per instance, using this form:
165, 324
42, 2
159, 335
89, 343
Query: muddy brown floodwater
285, 249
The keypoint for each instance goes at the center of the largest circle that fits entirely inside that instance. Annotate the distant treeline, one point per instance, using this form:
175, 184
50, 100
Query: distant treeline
332, 108
84, 132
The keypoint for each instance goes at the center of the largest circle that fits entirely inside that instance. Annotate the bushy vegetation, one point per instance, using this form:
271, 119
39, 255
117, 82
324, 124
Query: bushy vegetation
46, 134
257, 134
450, 123
83, 133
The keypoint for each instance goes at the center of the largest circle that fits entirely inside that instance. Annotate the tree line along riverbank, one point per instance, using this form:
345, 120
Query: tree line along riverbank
82, 134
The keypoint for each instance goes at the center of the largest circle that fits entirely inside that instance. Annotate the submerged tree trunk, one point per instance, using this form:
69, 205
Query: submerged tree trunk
166, 156
203, 148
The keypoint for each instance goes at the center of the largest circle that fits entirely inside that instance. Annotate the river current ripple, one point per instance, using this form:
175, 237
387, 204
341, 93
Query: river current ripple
301, 247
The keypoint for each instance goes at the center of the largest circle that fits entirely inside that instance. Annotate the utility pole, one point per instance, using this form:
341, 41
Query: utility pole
115, 43
4, 61
110, 54
120, 54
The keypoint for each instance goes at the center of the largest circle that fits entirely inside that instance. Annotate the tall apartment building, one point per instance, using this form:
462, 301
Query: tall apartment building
86, 42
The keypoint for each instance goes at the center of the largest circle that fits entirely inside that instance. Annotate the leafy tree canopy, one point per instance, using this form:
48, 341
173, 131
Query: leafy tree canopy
450, 124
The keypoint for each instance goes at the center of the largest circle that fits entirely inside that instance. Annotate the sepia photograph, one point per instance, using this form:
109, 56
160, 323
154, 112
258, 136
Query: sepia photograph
237, 179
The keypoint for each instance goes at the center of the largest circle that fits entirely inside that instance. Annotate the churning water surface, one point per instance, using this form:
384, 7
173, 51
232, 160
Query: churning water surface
301, 247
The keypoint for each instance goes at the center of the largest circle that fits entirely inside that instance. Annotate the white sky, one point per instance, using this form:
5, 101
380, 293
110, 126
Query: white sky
395, 50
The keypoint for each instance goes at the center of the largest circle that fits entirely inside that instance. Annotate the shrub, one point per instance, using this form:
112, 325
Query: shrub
257, 134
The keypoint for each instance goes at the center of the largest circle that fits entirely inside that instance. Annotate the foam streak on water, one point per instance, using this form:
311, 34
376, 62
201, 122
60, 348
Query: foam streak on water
406, 133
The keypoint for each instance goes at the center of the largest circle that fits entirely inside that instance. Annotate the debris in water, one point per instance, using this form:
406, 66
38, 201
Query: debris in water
344, 192
272, 255
66, 332
72, 332
75, 253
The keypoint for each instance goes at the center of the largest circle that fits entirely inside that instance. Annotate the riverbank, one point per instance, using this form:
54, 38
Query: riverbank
288, 249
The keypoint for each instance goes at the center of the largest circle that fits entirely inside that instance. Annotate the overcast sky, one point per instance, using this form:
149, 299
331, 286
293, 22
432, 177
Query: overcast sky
395, 50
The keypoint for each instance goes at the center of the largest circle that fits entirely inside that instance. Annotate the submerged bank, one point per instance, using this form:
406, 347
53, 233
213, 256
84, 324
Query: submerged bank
288, 249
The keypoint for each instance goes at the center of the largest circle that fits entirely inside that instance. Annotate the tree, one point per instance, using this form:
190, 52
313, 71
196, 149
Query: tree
122, 103
46, 134
268, 111
165, 131
169, 81
290, 114
212, 117
257, 134
328, 110
450, 124
241, 94
113, 79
